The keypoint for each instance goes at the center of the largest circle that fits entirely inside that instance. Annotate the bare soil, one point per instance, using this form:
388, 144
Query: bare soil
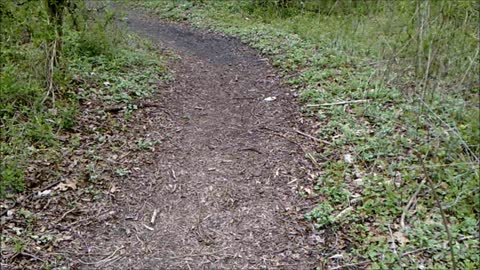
220, 190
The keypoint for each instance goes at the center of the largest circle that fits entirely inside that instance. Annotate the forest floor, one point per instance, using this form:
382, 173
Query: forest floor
292, 155
219, 191
217, 183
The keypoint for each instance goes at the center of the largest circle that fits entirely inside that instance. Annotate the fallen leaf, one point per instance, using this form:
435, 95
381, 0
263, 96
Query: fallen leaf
44, 193
400, 238
348, 158
309, 191
66, 185
270, 98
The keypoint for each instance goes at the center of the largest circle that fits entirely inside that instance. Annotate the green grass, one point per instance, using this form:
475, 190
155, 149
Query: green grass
100, 65
413, 136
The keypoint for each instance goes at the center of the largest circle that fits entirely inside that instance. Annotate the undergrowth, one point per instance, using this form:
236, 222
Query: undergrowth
98, 64
404, 140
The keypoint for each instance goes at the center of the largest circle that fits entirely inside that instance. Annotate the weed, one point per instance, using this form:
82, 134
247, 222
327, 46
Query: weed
11, 174
145, 144
122, 172
18, 245
321, 214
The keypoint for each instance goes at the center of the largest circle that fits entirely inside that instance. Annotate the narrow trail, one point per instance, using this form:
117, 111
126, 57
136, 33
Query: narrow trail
223, 182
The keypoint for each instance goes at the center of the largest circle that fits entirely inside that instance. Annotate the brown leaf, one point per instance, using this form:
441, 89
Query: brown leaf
66, 185
401, 238
113, 188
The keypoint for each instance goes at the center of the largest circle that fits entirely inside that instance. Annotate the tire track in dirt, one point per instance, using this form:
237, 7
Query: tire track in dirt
222, 184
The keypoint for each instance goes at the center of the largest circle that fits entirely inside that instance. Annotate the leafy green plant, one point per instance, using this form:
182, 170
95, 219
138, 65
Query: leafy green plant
145, 144
122, 172
321, 214
12, 175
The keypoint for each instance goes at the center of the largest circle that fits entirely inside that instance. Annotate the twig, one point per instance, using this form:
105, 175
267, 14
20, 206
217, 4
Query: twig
87, 219
455, 132
107, 259
442, 213
394, 245
65, 214
252, 149
31, 195
413, 251
173, 174
459, 197
311, 137
472, 61
123, 107
27, 255
409, 204
198, 254
277, 133
342, 213
148, 227
338, 103
312, 159
154, 216
78, 253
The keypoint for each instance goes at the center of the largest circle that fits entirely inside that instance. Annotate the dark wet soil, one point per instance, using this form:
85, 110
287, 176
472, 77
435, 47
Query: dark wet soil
221, 191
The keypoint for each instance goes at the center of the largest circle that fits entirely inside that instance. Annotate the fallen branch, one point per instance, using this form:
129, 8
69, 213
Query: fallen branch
409, 204
338, 103
64, 215
116, 109
311, 137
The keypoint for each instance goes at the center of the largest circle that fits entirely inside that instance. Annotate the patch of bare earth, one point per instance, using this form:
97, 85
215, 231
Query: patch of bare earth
220, 188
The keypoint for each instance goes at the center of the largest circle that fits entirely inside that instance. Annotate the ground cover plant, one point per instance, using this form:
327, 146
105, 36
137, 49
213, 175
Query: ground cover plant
392, 87
108, 68
70, 82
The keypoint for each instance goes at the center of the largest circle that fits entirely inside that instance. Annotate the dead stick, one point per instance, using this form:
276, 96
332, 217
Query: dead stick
338, 103
103, 260
65, 214
154, 216
409, 204
313, 138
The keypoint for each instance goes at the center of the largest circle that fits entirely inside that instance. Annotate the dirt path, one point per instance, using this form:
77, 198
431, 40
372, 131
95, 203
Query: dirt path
223, 183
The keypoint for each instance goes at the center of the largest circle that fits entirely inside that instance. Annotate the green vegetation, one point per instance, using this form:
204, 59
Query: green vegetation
394, 87
57, 57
